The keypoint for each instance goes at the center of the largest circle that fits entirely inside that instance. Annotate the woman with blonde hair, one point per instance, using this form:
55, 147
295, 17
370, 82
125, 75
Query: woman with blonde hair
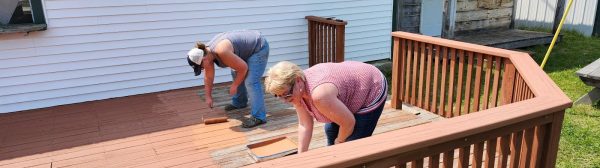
349, 97
246, 52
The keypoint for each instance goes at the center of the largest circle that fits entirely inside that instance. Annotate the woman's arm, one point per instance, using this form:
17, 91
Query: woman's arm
305, 127
325, 99
209, 77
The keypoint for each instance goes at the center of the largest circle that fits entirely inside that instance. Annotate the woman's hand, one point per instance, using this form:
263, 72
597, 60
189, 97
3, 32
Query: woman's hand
338, 141
232, 90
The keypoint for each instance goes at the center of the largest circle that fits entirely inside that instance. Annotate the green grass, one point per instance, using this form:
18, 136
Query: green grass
580, 138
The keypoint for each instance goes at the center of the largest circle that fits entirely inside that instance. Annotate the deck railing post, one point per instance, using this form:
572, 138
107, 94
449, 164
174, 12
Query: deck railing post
397, 84
550, 151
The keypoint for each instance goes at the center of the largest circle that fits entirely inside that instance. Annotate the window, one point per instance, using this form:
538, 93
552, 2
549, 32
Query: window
21, 16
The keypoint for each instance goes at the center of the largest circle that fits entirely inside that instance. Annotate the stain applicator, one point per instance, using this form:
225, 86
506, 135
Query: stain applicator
215, 120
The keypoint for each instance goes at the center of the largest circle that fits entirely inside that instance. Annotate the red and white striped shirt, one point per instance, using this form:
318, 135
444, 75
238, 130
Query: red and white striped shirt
361, 87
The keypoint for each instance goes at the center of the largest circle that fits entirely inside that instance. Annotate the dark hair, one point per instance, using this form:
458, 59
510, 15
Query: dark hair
201, 46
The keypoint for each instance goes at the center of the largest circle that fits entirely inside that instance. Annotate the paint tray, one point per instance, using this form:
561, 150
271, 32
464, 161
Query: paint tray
271, 149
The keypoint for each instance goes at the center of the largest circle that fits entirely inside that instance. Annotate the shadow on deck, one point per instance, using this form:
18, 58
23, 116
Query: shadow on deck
163, 129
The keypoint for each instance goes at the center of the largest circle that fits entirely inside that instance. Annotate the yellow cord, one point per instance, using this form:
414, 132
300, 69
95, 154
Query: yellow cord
556, 34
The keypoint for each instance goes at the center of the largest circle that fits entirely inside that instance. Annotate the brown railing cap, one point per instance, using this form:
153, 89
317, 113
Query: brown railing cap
332, 21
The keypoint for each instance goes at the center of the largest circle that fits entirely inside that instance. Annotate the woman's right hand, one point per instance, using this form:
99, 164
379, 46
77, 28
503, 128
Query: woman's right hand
209, 102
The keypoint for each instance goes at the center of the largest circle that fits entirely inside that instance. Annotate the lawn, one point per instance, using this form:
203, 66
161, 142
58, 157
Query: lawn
580, 139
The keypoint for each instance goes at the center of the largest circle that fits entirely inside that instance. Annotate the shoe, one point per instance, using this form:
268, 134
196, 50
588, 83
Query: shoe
252, 122
230, 107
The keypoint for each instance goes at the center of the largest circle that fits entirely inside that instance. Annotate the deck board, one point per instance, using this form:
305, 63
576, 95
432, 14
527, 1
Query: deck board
163, 129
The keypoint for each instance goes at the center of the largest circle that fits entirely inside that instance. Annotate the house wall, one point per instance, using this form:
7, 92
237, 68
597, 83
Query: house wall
474, 15
96, 50
540, 14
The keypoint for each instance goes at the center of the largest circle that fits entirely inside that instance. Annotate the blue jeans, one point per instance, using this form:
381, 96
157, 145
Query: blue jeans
257, 63
363, 127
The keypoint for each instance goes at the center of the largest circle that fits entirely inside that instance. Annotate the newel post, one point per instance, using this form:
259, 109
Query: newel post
550, 151
397, 74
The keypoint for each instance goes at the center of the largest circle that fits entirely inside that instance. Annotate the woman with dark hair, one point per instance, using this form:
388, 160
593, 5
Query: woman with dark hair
246, 52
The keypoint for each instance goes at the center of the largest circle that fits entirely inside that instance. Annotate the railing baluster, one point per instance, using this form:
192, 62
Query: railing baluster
448, 159
461, 59
508, 82
326, 43
450, 112
477, 155
434, 161
515, 149
422, 54
413, 97
428, 78
503, 150
538, 144
487, 85
340, 38
319, 45
519, 88
311, 42
409, 52
477, 91
490, 154
526, 147
497, 66
332, 43
417, 163
442, 110
463, 156
469, 56
401, 165
435, 79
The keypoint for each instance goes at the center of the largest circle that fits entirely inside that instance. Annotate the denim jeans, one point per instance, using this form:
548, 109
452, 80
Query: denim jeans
257, 63
363, 127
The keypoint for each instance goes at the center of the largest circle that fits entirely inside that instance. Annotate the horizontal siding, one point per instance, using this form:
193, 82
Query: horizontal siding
112, 48
540, 13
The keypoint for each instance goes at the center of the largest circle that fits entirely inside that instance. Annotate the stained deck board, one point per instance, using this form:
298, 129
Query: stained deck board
506, 38
162, 129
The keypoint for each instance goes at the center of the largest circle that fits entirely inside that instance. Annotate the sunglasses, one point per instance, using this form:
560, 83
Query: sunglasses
290, 93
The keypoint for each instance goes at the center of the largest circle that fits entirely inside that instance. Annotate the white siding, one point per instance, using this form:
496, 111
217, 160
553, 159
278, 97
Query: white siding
96, 50
540, 13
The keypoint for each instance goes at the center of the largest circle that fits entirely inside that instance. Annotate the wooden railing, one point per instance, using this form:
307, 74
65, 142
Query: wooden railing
326, 38
502, 111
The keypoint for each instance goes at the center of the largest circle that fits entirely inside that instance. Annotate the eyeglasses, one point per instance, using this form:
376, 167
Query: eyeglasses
290, 93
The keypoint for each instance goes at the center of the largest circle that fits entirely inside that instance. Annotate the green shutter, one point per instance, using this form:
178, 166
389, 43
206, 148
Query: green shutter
37, 12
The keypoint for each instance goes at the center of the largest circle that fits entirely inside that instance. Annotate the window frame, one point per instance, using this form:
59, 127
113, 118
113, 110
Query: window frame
38, 17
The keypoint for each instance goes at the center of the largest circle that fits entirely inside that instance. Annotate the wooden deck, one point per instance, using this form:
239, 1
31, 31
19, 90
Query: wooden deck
506, 38
162, 129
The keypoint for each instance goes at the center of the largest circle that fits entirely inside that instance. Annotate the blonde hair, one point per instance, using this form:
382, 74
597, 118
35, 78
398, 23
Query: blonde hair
281, 76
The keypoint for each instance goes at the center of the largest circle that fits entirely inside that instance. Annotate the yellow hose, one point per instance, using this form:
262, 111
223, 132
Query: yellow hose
562, 21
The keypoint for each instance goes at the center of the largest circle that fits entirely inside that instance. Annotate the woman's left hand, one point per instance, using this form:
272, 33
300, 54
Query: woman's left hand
338, 141
232, 90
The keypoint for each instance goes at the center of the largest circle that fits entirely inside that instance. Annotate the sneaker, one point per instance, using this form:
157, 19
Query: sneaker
252, 122
230, 107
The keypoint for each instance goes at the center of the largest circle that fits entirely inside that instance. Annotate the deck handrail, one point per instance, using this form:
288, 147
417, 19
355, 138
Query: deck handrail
527, 128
